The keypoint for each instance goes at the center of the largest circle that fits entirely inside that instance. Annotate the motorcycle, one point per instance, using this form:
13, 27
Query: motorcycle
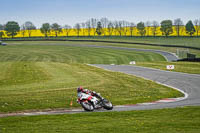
91, 102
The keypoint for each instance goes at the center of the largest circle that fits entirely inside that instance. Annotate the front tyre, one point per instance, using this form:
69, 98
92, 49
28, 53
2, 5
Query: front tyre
88, 106
107, 104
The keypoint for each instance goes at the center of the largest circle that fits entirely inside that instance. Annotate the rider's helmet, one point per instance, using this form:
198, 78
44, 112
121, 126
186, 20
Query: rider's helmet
79, 89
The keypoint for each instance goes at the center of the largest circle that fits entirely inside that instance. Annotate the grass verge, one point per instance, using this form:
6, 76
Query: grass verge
177, 120
186, 67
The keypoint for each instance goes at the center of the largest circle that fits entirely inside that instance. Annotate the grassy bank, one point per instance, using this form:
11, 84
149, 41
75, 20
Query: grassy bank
65, 52
69, 54
169, 49
178, 120
180, 41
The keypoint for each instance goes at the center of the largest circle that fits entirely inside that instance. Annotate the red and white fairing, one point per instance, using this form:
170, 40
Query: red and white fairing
86, 96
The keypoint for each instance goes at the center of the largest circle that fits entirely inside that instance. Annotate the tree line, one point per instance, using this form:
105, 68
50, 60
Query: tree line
104, 27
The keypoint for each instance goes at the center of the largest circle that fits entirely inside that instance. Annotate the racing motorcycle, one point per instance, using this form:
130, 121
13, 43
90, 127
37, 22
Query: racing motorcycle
91, 102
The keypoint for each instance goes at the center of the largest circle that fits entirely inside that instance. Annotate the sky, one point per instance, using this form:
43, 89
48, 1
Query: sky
75, 11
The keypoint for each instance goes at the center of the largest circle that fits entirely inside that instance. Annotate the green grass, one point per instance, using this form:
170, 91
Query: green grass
186, 67
34, 77
45, 76
70, 54
21, 73
56, 83
169, 49
94, 55
180, 41
178, 120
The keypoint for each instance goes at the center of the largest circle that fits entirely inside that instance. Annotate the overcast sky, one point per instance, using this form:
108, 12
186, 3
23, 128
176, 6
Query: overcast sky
74, 11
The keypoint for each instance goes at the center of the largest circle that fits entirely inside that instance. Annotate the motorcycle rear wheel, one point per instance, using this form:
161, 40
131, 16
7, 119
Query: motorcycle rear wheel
88, 106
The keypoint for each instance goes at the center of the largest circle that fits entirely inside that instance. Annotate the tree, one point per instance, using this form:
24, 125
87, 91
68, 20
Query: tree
88, 27
67, 29
125, 27
197, 25
132, 26
56, 28
178, 23
116, 27
99, 28
119, 28
29, 27
45, 29
1, 34
141, 28
77, 28
104, 23
166, 27
155, 26
147, 25
94, 25
23, 30
83, 25
110, 28
12, 28
190, 28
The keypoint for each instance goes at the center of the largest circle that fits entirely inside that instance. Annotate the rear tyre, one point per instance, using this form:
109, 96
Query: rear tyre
107, 104
87, 105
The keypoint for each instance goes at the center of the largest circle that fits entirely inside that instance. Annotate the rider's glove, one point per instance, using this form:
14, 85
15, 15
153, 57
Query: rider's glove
77, 101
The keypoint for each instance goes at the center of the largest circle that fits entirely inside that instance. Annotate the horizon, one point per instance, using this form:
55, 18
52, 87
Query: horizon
71, 12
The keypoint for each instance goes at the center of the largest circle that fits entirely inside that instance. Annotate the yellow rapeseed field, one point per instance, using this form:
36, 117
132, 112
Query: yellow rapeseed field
84, 32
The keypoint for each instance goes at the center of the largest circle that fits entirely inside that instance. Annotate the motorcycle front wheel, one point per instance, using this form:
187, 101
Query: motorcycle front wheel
88, 106
107, 104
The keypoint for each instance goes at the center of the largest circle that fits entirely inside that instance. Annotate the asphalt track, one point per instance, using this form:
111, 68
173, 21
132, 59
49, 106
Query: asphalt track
189, 84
